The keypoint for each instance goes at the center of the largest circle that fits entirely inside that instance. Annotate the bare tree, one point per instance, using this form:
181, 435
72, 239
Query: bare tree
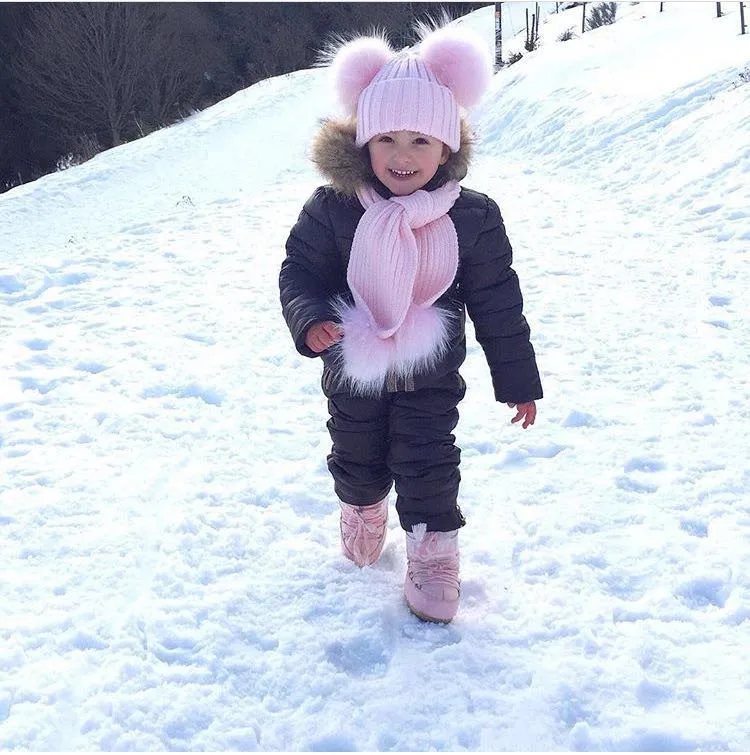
11, 136
82, 63
182, 60
98, 67
601, 15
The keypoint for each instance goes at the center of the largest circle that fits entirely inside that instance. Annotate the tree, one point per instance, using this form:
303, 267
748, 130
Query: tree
81, 64
97, 68
601, 15
187, 64
11, 20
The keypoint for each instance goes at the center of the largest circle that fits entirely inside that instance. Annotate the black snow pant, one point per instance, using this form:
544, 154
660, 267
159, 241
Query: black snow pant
404, 437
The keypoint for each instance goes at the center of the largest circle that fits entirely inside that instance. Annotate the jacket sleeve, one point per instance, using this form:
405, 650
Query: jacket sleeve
495, 305
310, 271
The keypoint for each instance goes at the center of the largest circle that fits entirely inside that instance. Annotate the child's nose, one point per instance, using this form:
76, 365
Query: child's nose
403, 156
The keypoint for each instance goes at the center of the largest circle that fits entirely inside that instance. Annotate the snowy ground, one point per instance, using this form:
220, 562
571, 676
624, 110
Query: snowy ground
170, 574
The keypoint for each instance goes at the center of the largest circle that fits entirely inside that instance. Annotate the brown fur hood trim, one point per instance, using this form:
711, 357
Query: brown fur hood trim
347, 167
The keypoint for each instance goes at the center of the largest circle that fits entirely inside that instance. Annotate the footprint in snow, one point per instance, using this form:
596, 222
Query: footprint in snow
360, 656
37, 344
18, 414
633, 486
11, 284
708, 209
192, 390
723, 324
332, 743
93, 368
644, 464
579, 419
525, 455
704, 592
138, 229
651, 694
720, 301
42, 387
208, 340
640, 465
694, 527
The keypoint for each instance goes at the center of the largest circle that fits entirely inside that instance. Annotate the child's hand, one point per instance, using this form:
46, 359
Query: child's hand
526, 412
322, 336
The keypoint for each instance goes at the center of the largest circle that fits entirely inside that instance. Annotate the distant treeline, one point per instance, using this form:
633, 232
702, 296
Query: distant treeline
77, 78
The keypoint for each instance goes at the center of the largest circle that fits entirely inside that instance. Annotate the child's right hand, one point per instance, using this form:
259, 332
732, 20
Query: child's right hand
322, 336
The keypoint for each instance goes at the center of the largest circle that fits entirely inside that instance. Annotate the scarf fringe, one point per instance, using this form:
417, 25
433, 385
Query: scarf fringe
366, 360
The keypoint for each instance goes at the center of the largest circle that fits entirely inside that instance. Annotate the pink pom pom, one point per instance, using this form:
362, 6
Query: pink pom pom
355, 65
365, 357
421, 340
460, 62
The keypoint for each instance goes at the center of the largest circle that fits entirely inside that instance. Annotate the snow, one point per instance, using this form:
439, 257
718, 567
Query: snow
170, 577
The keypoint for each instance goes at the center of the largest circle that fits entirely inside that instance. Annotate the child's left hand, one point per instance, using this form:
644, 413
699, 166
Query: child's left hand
526, 412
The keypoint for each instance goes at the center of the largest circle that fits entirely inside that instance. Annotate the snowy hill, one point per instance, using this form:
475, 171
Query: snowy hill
169, 569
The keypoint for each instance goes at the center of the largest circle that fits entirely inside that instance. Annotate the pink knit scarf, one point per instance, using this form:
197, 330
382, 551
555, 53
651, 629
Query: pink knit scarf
404, 257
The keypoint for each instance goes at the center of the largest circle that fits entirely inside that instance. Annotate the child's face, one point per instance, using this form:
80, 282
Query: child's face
406, 160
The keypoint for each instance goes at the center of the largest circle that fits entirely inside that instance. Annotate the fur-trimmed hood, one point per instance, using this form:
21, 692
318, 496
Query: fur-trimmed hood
347, 167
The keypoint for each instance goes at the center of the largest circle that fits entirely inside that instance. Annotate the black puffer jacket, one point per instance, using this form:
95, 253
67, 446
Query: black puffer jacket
318, 248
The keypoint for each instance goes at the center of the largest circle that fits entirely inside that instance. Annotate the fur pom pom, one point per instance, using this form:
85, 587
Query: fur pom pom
355, 64
460, 62
421, 340
364, 356
366, 360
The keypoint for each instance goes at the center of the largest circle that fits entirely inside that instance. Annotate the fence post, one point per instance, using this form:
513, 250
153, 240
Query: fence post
718, 10
498, 36
537, 23
742, 18
532, 31
583, 23
526, 46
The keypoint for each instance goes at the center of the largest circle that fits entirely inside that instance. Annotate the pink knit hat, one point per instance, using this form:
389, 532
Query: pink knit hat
414, 90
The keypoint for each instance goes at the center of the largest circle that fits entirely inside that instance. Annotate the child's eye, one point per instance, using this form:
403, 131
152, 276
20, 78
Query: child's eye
385, 139
421, 140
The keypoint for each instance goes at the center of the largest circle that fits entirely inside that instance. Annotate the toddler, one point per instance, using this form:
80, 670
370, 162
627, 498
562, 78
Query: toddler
381, 267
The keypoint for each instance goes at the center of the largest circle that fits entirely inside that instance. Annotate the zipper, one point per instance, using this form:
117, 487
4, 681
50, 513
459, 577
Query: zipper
394, 383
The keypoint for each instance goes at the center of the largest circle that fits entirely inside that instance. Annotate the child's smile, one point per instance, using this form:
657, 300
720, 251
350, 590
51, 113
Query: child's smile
401, 177
403, 173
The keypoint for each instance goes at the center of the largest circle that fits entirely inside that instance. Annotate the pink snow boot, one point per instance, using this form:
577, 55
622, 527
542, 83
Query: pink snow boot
431, 587
363, 530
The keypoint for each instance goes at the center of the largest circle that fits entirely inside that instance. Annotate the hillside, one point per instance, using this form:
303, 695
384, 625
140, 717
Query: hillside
170, 572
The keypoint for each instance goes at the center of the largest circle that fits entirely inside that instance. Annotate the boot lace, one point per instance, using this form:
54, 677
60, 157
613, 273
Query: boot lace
431, 568
439, 573
362, 528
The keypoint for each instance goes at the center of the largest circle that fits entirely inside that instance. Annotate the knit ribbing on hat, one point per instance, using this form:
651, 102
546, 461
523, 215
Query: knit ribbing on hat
406, 96
404, 257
